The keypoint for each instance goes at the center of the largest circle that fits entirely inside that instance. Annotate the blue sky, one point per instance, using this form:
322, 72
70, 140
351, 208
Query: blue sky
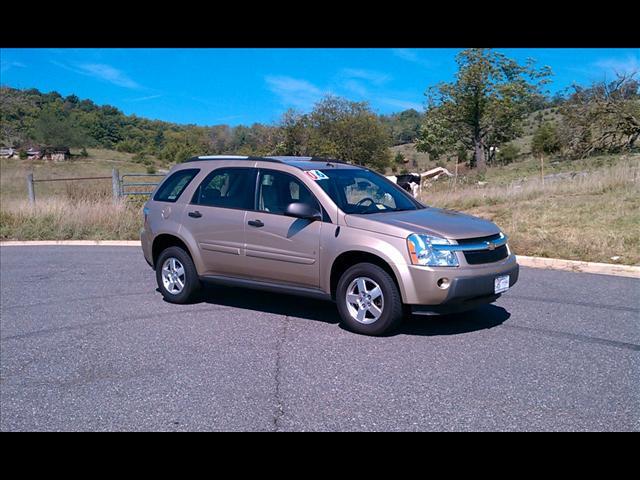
242, 86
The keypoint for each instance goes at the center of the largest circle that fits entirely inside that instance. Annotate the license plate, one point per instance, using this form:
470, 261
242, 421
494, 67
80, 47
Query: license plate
501, 284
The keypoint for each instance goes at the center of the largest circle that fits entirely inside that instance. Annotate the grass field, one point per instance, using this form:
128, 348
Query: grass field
593, 216
586, 209
68, 210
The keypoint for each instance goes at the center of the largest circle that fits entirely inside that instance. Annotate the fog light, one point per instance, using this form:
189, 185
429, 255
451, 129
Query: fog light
443, 283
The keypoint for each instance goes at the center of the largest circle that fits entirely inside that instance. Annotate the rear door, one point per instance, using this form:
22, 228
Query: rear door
216, 219
281, 248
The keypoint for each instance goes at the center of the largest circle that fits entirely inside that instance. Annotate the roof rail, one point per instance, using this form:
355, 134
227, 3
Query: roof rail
230, 157
274, 159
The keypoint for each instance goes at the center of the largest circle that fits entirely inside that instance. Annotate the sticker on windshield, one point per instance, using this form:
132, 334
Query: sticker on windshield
316, 175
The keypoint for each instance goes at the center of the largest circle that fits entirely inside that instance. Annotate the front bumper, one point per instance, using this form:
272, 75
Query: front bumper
468, 285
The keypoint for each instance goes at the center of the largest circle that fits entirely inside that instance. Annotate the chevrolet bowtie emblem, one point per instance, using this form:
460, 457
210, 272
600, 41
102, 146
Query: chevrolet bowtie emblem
491, 246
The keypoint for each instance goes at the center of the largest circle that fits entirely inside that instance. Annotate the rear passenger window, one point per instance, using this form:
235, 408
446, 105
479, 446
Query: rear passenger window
227, 188
172, 187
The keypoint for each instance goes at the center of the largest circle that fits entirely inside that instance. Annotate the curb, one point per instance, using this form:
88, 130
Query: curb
75, 243
632, 271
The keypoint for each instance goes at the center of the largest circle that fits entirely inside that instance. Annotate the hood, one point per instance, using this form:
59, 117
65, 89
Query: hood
433, 221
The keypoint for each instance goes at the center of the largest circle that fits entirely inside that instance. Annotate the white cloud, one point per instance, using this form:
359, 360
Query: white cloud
630, 64
108, 74
294, 92
143, 99
102, 72
4, 66
356, 87
377, 78
405, 54
411, 56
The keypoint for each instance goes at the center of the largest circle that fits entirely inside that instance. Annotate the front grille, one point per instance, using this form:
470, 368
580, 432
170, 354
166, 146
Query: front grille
477, 257
466, 241
486, 256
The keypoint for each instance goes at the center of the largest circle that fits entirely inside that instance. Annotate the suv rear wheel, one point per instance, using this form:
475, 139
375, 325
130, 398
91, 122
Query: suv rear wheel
368, 300
177, 276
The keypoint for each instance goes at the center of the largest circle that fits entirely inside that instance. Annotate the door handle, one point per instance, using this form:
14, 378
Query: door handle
256, 223
195, 214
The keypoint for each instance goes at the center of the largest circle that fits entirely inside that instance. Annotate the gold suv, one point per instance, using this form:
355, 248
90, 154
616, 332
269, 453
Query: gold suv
320, 228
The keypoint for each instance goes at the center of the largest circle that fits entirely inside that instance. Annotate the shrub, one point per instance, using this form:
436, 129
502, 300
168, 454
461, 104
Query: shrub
545, 139
508, 153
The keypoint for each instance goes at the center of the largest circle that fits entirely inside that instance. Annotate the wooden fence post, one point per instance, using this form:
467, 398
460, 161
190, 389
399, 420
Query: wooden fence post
30, 189
115, 183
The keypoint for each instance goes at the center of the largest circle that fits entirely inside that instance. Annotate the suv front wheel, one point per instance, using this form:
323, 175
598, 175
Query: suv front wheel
368, 300
177, 276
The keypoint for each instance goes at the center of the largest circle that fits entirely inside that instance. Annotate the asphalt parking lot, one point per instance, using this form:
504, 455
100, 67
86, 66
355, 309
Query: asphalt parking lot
87, 343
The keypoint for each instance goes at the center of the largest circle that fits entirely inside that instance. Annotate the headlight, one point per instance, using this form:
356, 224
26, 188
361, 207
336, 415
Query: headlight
421, 252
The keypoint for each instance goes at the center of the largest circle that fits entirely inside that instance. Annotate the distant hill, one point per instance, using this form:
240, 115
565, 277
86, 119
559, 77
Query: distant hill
30, 117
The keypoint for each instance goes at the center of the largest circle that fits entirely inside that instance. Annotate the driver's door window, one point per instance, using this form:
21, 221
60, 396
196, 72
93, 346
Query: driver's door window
276, 190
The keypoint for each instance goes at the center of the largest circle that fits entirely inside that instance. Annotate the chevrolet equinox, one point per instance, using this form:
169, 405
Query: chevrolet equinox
321, 228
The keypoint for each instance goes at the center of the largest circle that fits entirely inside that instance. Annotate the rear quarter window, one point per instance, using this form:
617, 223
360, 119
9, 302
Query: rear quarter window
172, 187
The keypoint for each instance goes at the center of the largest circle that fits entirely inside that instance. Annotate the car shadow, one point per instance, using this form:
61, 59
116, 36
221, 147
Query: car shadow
482, 318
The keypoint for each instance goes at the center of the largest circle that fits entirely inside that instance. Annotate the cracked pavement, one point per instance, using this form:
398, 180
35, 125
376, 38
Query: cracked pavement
87, 343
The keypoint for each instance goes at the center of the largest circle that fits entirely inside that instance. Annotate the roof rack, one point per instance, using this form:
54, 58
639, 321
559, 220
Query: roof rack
231, 157
275, 159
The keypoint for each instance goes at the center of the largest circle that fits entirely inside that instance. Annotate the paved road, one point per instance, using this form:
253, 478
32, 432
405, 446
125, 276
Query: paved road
87, 343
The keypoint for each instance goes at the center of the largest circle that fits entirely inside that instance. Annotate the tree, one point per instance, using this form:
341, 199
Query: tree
484, 106
545, 139
404, 127
602, 118
53, 127
349, 131
508, 153
337, 128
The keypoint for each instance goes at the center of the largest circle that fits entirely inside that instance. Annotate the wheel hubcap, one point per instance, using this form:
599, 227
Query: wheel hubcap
173, 275
365, 301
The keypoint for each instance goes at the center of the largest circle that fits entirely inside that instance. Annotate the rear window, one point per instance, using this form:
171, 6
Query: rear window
172, 187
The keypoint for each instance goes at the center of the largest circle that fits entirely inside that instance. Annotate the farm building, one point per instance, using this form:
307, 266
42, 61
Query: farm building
34, 153
8, 152
48, 153
56, 153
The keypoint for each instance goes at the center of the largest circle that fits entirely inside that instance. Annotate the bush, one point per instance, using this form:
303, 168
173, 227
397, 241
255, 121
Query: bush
399, 158
84, 153
22, 154
151, 169
138, 157
508, 153
463, 156
545, 139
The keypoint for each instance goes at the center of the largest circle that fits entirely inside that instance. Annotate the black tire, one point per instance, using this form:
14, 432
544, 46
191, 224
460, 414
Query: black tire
191, 287
392, 311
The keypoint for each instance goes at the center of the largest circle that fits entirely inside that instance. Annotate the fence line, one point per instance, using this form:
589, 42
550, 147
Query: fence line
118, 184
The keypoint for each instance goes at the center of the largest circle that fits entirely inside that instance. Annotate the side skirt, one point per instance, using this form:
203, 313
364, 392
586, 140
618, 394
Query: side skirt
266, 286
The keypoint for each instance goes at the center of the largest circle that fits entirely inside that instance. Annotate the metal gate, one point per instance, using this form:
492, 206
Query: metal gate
135, 184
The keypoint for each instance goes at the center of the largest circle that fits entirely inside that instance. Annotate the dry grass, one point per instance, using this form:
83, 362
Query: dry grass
592, 217
66, 219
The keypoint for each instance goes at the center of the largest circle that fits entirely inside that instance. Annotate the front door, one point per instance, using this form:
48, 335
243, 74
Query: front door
216, 219
281, 248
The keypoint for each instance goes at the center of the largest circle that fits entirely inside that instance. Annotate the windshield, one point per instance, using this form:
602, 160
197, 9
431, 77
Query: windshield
363, 191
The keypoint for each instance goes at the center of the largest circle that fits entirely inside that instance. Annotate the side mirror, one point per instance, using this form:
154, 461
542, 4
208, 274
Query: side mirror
303, 210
